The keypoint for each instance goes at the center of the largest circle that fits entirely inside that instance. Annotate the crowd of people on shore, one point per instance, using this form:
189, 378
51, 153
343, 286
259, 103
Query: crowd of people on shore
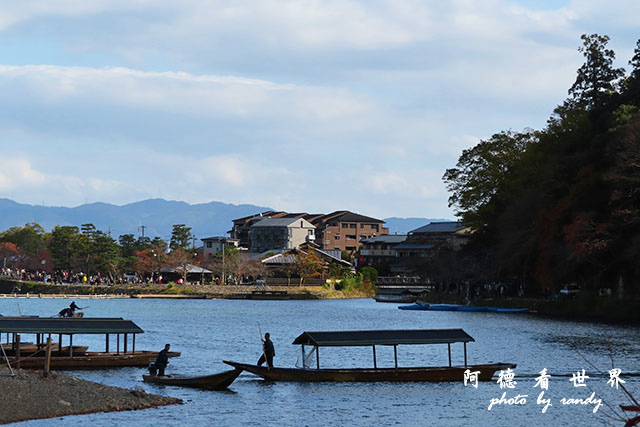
60, 277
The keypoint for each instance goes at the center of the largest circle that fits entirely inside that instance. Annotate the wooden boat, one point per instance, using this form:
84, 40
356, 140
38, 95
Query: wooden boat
414, 307
26, 350
93, 360
376, 374
396, 298
70, 327
424, 374
219, 381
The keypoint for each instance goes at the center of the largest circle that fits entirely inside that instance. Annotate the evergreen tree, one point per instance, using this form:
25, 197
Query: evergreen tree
596, 79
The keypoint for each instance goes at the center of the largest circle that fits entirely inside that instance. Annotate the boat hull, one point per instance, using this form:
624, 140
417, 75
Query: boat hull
219, 381
92, 360
401, 299
423, 374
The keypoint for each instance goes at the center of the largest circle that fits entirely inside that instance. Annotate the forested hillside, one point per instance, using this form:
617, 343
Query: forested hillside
561, 204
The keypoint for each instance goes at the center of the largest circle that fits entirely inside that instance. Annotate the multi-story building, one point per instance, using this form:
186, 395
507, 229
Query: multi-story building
380, 249
344, 230
214, 245
280, 233
339, 230
452, 234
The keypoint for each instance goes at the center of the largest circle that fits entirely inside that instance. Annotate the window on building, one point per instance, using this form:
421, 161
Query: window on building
345, 225
351, 237
337, 237
208, 244
361, 225
374, 227
350, 248
352, 225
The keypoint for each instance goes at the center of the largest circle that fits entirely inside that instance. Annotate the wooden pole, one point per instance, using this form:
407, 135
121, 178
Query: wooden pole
375, 363
449, 345
47, 361
125, 343
395, 354
465, 355
317, 357
303, 364
60, 344
17, 343
134, 344
118, 345
107, 344
71, 345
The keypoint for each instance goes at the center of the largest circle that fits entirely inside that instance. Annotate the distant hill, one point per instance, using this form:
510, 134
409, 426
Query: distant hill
156, 215
405, 225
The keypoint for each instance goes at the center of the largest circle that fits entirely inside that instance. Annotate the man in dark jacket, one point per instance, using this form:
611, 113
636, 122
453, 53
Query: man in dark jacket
162, 360
267, 351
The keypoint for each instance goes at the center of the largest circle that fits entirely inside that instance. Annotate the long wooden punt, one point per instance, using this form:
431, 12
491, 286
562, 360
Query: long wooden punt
220, 381
377, 374
93, 360
26, 350
419, 374
66, 357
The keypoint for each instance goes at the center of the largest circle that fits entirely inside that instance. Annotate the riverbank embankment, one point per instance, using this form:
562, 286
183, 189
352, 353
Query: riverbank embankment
28, 396
33, 290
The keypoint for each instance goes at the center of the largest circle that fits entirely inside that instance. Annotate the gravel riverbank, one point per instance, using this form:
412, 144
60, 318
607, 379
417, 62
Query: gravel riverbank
29, 396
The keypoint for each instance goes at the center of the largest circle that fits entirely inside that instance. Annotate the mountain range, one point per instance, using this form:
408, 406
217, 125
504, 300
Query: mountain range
153, 217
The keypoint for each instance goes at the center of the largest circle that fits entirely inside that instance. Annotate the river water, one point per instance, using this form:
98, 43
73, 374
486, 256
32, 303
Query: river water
208, 331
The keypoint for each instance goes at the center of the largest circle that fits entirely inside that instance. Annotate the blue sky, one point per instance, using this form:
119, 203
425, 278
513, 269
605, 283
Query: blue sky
298, 105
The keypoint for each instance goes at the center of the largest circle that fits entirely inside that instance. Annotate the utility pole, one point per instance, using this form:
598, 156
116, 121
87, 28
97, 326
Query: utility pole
223, 248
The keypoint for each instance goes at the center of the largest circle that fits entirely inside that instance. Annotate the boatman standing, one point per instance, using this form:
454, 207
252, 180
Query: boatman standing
162, 360
267, 351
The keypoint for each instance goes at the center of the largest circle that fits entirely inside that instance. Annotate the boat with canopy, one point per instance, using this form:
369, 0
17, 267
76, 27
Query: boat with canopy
68, 357
372, 339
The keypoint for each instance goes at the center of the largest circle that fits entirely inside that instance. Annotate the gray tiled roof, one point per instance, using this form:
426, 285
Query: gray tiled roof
277, 222
440, 227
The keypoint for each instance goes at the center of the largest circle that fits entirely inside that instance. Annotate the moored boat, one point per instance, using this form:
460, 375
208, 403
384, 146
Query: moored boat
414, 307
65, 357
220, 381
396, 298
378, 374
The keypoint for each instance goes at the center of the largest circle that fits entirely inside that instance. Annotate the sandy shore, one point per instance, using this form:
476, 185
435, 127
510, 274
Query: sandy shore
29, 396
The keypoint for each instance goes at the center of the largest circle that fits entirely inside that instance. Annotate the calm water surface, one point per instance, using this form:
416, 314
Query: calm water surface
208, 331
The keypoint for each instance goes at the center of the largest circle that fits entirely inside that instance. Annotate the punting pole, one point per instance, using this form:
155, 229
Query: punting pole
375, 364
449, 346
395, 354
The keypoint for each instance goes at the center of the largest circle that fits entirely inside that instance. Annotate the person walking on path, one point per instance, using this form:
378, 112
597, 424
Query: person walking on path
267, 351
162, 360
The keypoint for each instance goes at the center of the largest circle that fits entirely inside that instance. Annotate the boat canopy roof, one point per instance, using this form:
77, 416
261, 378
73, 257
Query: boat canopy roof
73, 325
383, 337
